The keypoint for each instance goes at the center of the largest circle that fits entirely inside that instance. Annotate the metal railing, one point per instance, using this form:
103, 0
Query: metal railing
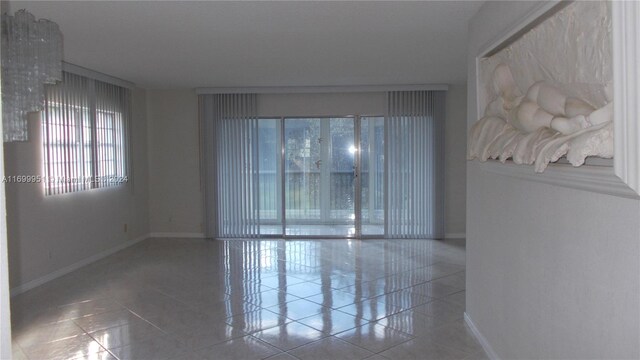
303, 198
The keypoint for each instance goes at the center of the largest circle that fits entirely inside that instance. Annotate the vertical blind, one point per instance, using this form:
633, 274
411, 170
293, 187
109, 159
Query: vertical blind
413, 166
84, 135
229, 125
415, 173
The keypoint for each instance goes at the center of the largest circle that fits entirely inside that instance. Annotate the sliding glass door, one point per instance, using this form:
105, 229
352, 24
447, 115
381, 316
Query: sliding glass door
372, 179
341, 176
322, 176
319, 176
269, 179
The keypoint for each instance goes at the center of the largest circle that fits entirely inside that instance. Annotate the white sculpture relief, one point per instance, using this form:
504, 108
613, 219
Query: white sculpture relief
540, 126
548, 120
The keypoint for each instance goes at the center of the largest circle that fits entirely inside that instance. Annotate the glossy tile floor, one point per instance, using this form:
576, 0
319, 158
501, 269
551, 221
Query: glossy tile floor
275, 299
332, 230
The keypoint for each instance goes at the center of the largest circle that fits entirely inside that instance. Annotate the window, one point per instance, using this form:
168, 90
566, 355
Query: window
84, 135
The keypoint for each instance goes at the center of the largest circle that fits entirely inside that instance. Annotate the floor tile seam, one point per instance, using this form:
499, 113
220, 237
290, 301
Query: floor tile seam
15, 344
329, 334
441, 298
384, 302
340, 340
29, 326
439, 343
303, 280
442, 324
273, 355
289, 321
324, 336
87, 332
288, 301
431, 316
298, 296
261, 309
436, 297
401, 330
141, 318
260, 341
295, 357
358, 346
176, 333
259, 303
408, 288
102, 346
451, 303
411, 337
447, 263
396, 310
257, 308
86, 316
67, 338
147, 337
199, 348
22, 350
447, 275
398, 345
388, 315
391, 347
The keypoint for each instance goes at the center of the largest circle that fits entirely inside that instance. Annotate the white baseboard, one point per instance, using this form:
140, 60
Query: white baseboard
177, 235
481, 339
75, 266
455, 235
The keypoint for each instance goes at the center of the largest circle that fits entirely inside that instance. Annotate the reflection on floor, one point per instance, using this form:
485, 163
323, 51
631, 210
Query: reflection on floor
308, 299
321, 230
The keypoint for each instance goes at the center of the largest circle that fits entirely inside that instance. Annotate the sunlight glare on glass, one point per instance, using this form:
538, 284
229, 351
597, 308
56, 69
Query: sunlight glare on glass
352, 149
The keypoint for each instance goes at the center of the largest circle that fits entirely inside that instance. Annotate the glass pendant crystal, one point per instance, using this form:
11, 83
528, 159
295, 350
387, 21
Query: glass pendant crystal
31, 57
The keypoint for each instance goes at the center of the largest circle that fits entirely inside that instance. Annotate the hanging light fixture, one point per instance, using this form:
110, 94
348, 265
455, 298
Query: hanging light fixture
31, 57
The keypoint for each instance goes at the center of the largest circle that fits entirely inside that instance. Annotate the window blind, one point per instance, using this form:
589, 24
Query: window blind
230, 131
415, 166
84, 135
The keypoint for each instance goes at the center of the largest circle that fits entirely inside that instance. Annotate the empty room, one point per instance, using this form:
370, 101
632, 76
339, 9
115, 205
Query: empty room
320, 180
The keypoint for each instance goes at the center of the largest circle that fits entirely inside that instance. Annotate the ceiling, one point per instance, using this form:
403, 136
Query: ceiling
201, 44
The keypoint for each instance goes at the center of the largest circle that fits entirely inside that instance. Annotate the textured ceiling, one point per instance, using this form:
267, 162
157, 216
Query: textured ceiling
199, 44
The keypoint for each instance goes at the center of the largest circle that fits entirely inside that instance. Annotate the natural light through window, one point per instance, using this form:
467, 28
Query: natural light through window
84, 135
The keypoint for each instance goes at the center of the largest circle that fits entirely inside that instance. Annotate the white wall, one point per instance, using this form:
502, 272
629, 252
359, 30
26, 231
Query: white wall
322, 104
551, 272
455, 161
175, 196
49, 233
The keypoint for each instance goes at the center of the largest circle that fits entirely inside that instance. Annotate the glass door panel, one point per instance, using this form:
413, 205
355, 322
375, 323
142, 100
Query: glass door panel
269, 173
302, 164
372, 175
341, 171
319, 176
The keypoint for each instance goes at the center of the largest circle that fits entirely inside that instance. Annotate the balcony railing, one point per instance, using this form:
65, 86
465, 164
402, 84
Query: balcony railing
303, 196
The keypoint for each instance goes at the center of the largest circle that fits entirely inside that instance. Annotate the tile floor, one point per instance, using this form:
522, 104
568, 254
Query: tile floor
275, 299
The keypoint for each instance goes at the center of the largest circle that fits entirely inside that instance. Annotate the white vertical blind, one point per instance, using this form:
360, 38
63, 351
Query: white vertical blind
415, 174
111, 109
229, 140
85, 127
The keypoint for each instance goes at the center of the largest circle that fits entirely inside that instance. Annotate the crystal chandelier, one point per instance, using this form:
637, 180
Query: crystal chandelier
31, 57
